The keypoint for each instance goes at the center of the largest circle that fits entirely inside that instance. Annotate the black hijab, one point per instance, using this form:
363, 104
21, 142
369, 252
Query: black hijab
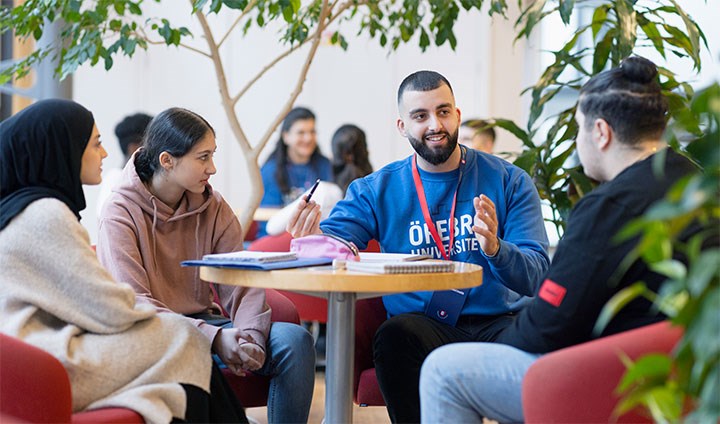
41, 151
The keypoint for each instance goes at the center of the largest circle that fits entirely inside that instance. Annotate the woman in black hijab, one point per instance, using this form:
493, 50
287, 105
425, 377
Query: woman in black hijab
58, 297
41, 151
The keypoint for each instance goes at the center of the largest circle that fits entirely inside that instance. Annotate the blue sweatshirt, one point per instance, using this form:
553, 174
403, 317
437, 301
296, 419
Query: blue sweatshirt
301, 178
384, 206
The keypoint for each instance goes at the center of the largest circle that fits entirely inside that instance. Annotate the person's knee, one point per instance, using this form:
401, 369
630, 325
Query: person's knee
435, 373
291, 340
397, 334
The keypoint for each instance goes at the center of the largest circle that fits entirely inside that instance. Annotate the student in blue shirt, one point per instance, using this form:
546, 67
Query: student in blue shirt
296, 162
621, 116
484, 209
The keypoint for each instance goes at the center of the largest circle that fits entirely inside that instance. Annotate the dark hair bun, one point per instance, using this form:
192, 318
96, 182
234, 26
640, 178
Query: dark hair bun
638, 69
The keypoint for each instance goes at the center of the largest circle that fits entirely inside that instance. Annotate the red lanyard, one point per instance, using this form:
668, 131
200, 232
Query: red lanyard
426, 212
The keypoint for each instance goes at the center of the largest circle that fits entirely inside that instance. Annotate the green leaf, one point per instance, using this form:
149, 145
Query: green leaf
702, 272
653, 34
651, 366
627, 23
599, 19
602, 52
670, 268
510, 126
616, 303
566, 8
693, 34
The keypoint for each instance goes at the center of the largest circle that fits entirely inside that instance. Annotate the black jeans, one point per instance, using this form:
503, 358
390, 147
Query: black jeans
219, 406
404, 341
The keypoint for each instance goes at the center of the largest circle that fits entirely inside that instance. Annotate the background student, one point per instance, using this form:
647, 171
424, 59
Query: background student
57, 297
129, 133
296, 162
621, 117
453, 203
350, 162
474, 135
165, 211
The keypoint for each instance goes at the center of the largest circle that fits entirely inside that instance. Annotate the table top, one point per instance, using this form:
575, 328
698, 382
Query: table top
326, 279
264, 214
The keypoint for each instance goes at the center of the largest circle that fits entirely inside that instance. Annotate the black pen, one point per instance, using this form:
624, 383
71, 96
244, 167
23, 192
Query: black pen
312, 190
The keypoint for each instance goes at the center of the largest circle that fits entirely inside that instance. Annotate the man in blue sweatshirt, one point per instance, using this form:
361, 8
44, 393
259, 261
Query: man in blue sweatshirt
450, 202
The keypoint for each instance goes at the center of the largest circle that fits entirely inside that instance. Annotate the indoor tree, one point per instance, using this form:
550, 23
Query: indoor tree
94, 32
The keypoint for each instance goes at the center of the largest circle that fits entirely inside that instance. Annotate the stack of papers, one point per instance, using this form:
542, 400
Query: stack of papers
252, 256
266, 261
391, 257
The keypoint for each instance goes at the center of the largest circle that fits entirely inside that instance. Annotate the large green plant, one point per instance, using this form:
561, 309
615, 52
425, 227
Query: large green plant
618, 29
690, 376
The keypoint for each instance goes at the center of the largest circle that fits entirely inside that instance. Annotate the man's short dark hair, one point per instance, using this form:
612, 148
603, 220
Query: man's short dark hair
131, 130
422, 81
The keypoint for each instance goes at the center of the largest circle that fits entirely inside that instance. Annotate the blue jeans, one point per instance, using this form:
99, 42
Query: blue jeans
464, 382
290, 364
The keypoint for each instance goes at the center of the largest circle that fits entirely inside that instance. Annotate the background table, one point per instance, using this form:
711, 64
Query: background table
342, 289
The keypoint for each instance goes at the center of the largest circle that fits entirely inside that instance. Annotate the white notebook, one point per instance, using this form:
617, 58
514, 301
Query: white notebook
252, 256
391, 257
400, 267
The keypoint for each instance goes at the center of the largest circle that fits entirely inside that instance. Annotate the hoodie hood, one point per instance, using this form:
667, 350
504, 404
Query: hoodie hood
133, 189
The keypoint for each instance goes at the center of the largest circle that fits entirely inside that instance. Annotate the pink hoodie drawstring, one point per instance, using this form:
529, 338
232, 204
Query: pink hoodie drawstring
152, 200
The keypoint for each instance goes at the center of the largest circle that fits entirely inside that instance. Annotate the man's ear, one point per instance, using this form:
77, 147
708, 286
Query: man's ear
167, 161
602, 134
401, 127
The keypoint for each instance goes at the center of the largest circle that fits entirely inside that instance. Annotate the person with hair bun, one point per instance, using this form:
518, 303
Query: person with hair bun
621, 117
165, 211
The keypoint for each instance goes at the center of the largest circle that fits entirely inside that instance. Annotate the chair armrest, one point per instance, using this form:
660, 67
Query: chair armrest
34, 386
283, 310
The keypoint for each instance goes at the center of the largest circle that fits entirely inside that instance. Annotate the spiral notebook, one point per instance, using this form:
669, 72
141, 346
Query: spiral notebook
400, 267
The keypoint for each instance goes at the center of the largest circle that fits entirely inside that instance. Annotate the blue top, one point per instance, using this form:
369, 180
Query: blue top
301, 178
384, 206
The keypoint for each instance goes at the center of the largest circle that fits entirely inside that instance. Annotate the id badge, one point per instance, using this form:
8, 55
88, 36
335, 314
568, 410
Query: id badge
445, 306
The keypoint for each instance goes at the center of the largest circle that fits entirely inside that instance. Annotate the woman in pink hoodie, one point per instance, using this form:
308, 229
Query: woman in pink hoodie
163, 212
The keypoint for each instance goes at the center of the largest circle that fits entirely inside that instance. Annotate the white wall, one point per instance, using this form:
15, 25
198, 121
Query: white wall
487, 72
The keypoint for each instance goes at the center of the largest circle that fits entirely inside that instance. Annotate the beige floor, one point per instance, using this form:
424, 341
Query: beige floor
366, 415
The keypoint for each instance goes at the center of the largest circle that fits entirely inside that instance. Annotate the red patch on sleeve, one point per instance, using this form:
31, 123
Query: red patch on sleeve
552, 292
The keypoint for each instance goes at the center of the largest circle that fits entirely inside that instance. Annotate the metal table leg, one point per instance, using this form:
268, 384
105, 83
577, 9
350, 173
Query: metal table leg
339, 357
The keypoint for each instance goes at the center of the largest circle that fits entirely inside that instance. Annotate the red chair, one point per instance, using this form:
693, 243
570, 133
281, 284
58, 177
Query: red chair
252, 390
35, 388
369, 314
577, 384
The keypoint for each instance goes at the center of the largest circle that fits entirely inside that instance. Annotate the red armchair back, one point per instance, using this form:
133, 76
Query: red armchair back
577, 384
35, 388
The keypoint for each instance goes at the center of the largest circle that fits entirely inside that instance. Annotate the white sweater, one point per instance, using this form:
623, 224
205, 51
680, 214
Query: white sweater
55, 295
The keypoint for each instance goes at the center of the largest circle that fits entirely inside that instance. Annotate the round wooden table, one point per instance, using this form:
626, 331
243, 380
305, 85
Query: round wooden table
342, 289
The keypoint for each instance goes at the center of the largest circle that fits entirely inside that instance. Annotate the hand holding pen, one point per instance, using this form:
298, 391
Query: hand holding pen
305, 219
312, 190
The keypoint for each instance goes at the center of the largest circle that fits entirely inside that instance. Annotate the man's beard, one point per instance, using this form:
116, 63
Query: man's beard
435, 155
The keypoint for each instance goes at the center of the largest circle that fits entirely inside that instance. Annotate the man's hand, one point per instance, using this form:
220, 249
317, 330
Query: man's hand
305, 220
485, 225
238, 350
